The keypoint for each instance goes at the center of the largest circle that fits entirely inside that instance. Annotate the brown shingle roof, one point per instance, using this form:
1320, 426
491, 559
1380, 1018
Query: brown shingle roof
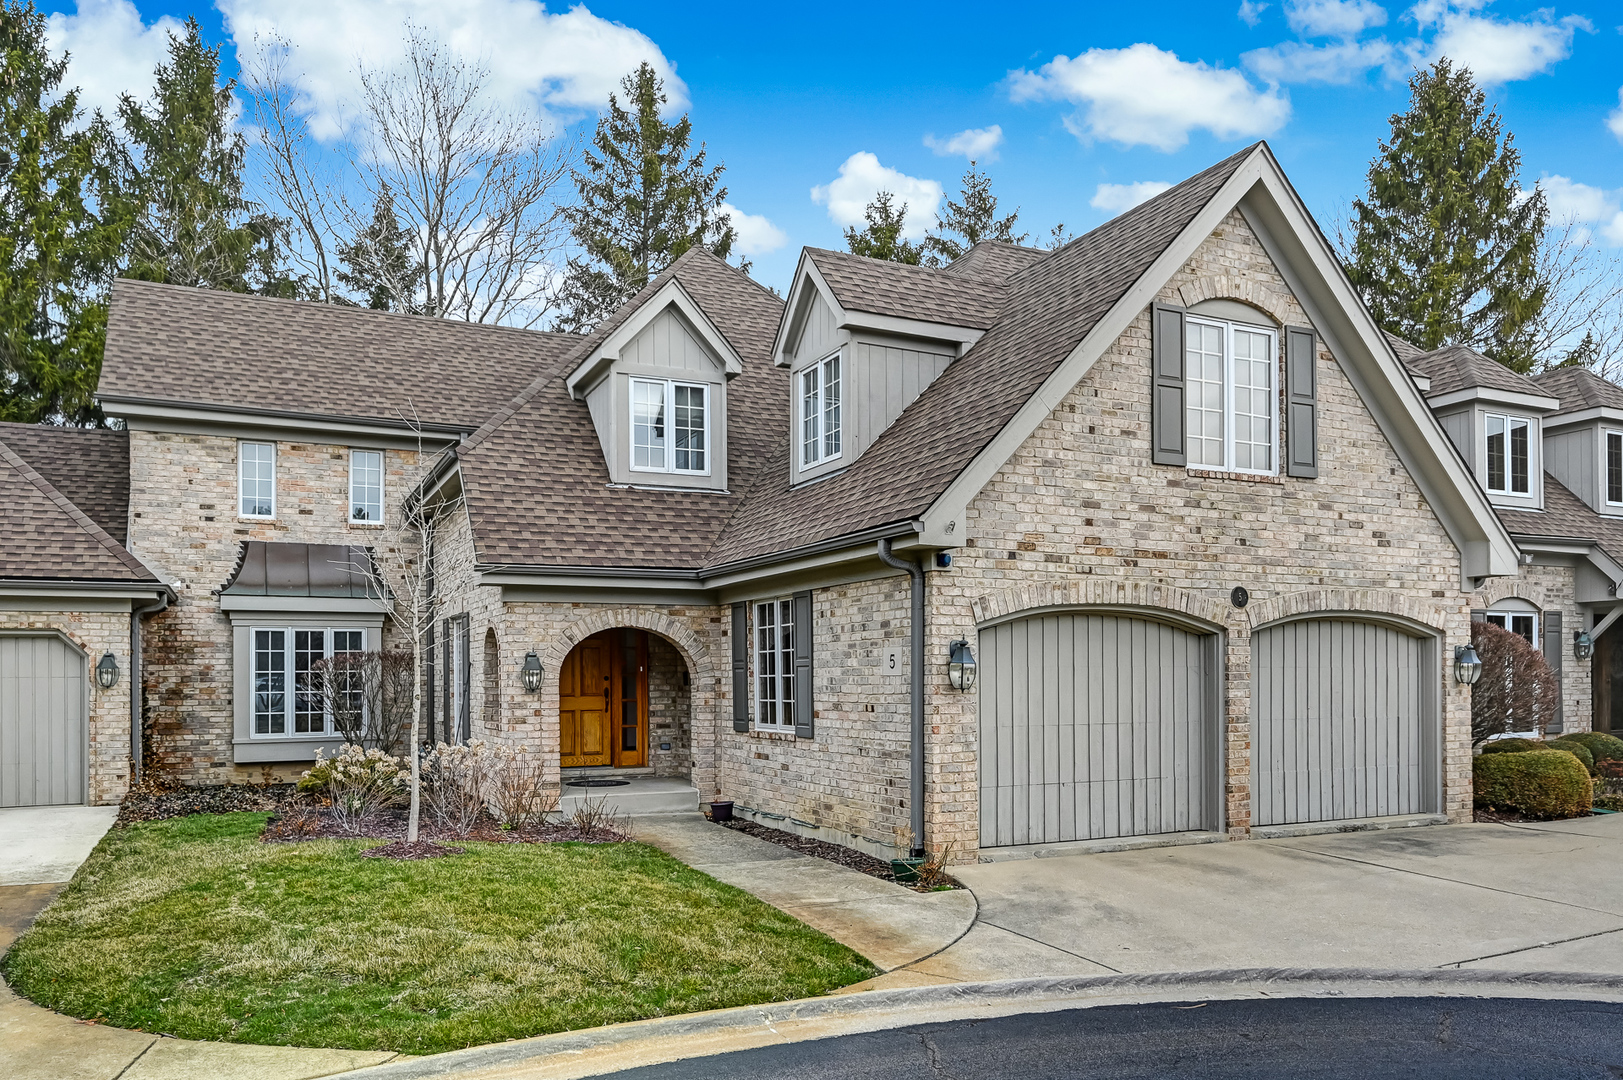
1567, 517
203, 347
909, 292
46, 537
91, 468
1457, 367
1051, 306
1579, 388
536, 482
995, 260
1406, 351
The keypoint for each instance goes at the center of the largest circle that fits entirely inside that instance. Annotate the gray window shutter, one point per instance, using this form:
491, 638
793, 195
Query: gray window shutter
1301, 402
1552, 656
741, 667
805, 721
1479, 614
464, 680
1168, 388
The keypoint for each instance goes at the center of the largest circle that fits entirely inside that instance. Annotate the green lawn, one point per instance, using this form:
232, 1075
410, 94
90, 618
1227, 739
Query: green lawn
193, 928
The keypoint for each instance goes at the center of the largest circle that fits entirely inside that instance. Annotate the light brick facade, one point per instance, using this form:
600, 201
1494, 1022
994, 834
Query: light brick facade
1552, 588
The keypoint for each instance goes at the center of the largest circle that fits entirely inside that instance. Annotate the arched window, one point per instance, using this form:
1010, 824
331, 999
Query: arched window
492, 695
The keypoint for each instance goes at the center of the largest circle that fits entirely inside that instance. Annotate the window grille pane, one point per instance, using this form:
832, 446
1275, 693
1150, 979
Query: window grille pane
647, 425
1253, 402
690, 427
831, 408
270, 682
256, 479
811, 414
786, 663
1518, 457
1497, 619
309, 710
766, 664
1614, 467
1496, 453
1203, 359
365, 485
1523, 625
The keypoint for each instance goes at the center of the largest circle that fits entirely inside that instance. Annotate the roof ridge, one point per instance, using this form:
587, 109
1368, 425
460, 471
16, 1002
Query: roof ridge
77, 516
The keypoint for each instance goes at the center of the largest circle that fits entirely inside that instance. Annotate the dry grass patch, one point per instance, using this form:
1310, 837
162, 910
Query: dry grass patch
193, 928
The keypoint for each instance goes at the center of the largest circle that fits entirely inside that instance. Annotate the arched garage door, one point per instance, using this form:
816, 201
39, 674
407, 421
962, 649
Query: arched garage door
1343, 722
42, 721
1095, 725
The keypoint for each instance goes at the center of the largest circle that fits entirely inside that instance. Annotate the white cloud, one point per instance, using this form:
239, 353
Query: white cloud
861, 178
1251, 11
1496, 50
978, 143
550, 63
1583, 204
1615, 120
1298, 62
1142, 95
1116, 198
756, 235
1333, 18
110, 51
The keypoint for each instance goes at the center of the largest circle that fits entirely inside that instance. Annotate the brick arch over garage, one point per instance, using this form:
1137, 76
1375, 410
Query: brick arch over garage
1100, 592
1353, 601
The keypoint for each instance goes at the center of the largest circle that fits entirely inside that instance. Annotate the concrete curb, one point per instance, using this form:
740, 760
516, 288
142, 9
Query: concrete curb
610, 1049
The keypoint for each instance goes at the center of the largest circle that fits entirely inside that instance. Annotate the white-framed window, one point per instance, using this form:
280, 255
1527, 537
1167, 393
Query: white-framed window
670, 426
1524, 623
1613, 465
288, 694
366, 486
820, 411
256, 479
1233, 402
775, 665
1509, 443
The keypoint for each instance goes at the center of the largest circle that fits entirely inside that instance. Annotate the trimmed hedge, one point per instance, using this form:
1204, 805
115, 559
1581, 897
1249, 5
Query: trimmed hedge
1602, 746
1511, 746
1577, 750
1539, 784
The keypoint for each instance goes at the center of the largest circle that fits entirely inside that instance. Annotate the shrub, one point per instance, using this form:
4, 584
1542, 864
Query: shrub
1516, 690
1604, 747
516, 795
1511, 746
1539, 784
1577, 750
360, 783
456, 780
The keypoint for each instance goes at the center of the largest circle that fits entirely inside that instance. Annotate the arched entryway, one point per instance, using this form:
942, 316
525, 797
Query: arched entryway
623, 703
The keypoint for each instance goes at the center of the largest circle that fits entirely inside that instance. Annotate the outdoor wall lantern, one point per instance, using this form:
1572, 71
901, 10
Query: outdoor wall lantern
1583, 646
107, 671
1467, 665
532, 672
961, 665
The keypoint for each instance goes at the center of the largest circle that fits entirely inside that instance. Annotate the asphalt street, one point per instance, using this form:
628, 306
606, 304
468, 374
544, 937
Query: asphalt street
1467, 1038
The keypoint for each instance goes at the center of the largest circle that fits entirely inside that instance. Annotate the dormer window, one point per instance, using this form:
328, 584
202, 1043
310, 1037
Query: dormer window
1614, 467
670, 424
1507, 454
820, 411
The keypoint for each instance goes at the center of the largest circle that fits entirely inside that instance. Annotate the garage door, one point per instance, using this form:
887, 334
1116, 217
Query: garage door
42, 722
1342, 722
1095, 725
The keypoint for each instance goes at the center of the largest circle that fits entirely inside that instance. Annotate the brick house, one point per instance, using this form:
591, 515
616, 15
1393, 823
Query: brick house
1208, 537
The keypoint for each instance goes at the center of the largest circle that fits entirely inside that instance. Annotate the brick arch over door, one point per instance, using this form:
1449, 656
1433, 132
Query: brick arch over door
675, 631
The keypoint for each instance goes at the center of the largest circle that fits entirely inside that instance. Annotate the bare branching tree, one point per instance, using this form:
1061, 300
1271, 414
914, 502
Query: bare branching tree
369, 696
1583, 317
476, 185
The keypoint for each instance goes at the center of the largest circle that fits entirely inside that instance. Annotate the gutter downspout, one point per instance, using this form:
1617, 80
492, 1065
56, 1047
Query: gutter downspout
137, 612
916, 692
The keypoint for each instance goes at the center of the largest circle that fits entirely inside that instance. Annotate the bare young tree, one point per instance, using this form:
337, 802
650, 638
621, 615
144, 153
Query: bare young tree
1583, 317
476, 186
369, 696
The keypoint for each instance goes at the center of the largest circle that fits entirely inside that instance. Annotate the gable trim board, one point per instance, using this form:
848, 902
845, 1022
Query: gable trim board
1260, 191
670, 296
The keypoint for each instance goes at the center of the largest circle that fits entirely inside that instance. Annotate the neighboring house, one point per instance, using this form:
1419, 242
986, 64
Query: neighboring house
1169, 485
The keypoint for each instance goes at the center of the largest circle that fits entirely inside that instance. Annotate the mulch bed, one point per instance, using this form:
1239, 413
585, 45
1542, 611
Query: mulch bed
400, 849
303, 820
1510, 817
154, 801
834, 853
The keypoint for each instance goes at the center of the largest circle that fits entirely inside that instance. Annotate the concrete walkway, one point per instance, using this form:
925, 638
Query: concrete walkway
42, 845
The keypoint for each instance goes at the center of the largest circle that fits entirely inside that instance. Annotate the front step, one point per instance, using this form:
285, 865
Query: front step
639, 795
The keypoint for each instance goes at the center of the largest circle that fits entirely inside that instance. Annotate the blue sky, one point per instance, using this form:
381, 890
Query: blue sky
811, 114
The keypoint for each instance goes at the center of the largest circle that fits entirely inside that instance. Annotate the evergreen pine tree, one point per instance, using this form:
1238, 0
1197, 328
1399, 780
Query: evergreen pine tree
379, 263
1445, 246
645, 198
971, 220
1586, 354
882, 237
61, 222
194, 226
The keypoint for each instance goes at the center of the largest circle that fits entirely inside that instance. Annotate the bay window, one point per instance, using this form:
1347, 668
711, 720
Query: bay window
289, 693
670, 425
820, 411
1507, 454
1232, 405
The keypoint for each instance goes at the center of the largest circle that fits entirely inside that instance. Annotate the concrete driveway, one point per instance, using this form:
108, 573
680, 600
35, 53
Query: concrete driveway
41, 845
1540, 897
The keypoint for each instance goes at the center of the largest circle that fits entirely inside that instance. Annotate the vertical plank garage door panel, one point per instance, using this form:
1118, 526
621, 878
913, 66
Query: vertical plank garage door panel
42, 721
1092, 726
1343, 722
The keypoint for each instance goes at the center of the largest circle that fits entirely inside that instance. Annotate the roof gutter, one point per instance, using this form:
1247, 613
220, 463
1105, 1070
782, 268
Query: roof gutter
915, 692
454, 430
137, 733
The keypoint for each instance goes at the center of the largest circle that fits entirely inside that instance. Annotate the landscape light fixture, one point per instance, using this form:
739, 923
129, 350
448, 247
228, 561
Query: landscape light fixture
532, 672
1583, 646
1467, 665
961, 665
107, 671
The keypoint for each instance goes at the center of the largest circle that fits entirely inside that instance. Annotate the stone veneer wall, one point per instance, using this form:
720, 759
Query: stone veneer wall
183, 495
1553, 588
108, 717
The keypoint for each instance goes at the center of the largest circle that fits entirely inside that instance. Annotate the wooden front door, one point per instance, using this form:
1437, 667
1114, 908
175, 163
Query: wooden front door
603, 701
